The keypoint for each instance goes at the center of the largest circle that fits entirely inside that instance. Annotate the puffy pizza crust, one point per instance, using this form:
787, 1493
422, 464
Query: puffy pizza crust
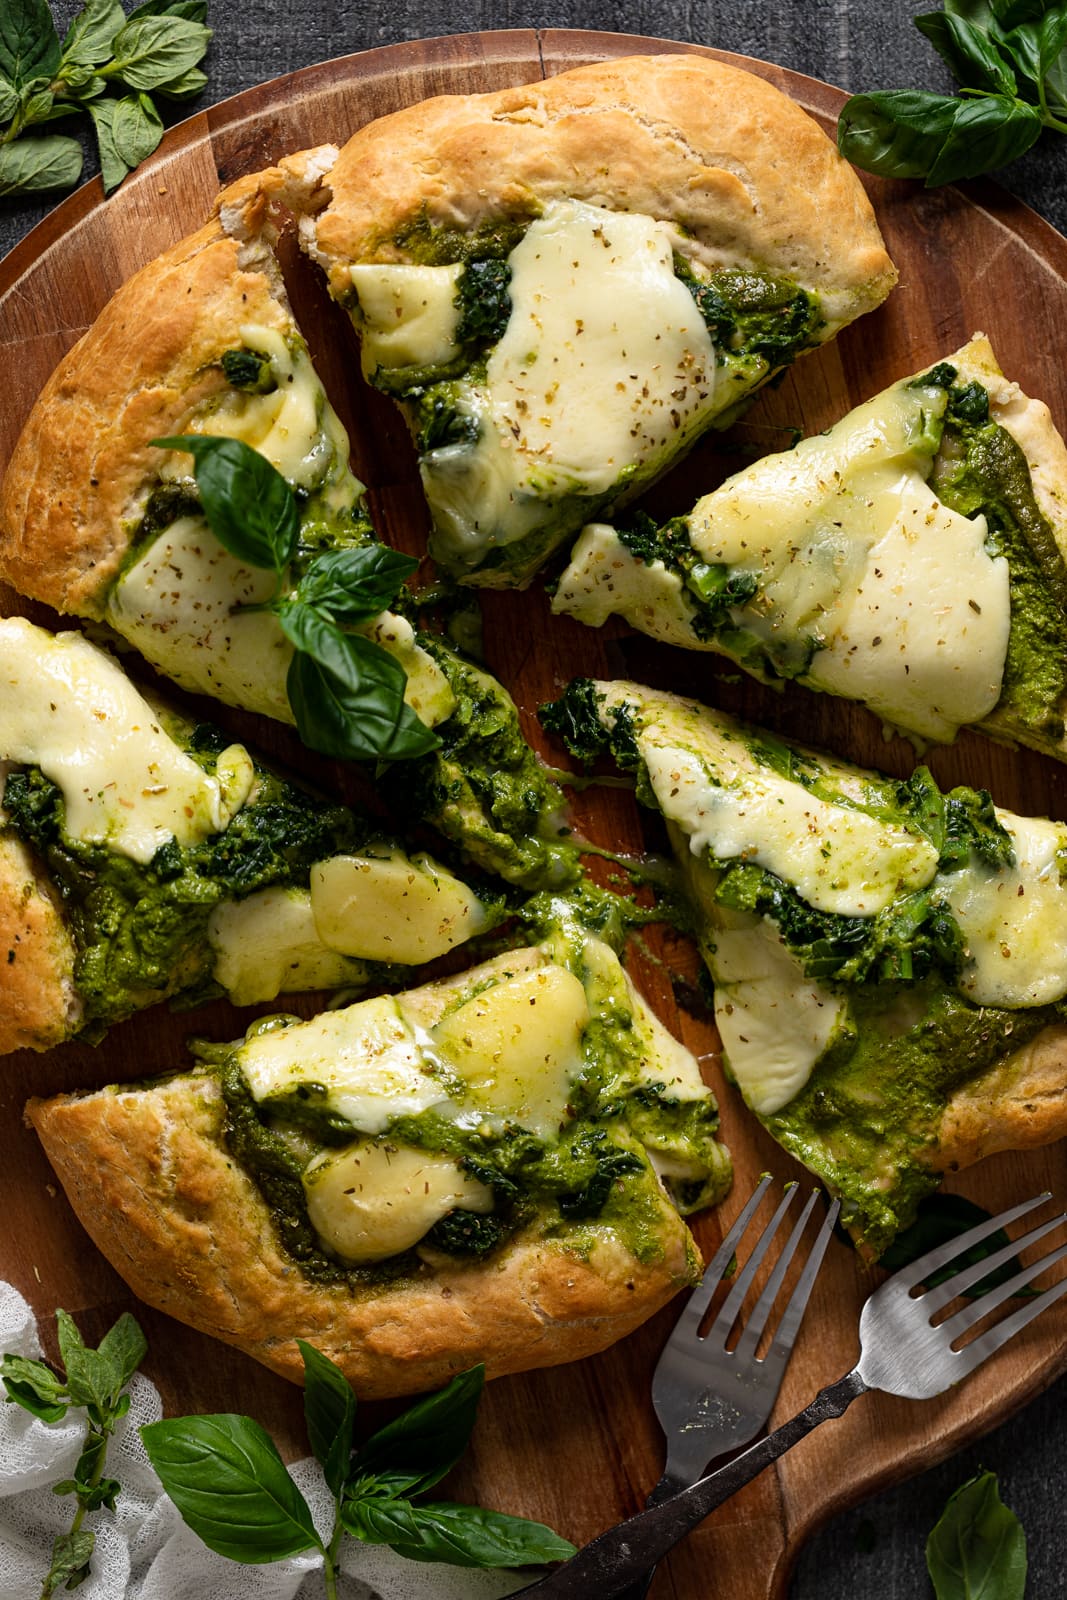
40, 1006
1017, 1105
83, 468
148, 1174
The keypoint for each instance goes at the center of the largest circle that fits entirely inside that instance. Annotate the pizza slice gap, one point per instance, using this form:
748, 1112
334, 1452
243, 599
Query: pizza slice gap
913, 558
488, 1168
99, 522
144, 857
566, 283
889, 962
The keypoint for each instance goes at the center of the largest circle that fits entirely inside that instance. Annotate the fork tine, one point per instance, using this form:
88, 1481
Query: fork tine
990, 1341
925, 1266
731, 1306
968, 1315
757, 1321
698, 1302
793, 1314
960, 1282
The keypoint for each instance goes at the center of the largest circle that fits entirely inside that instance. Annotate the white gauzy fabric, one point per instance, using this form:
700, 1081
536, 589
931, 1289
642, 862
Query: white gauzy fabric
144, 1551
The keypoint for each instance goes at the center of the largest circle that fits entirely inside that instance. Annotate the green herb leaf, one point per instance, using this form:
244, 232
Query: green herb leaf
330, 1413
985, 135
51, 161
124, 1346
462, 1536
127, 131
354, 585
347, 694
970, 53
89, 36
34, 1387
152, 50
29, 43
192, 10
1035, 47
942, 1217
71, 1554
184, 87
977, 1551
228, 1481
905, 133
433, 1433
9, 100
248, 504
1009, 13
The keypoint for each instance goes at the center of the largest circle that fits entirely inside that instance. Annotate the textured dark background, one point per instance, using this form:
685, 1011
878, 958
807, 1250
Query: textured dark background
875, 1552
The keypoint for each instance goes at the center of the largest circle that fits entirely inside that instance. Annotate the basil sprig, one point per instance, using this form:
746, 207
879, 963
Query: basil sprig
108, 66
95, 1379
977, 1551
346, 691
231, 1486
1009, 58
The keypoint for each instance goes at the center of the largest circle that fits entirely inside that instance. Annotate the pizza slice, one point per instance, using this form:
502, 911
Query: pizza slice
144, 856
99, 522
913, 558
488, 1168
889, 962
566, 283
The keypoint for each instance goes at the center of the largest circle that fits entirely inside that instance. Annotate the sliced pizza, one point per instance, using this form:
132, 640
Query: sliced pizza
913, 558
889, 962
566, 283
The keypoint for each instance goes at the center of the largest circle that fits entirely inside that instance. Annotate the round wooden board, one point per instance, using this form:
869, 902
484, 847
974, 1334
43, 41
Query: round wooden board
578, 1446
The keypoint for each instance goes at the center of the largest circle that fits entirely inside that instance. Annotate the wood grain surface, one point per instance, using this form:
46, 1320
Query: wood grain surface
577, 1447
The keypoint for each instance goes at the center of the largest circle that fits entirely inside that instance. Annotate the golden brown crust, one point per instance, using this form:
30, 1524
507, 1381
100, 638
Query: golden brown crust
148, 1175
38, 1003
83, 468
722, 154
1017, 1105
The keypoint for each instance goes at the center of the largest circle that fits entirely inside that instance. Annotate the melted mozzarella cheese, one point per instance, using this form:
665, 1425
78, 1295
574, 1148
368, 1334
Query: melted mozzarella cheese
371, 1201
605, 365
180, 605
408, 315
386, 906
731, 807
268, 943
69, 709
603, 579
1014, 919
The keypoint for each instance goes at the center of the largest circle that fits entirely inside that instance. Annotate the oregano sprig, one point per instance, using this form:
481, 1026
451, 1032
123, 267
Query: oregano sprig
108, 67
231, 1486
1009, 58
96, 1380
345, 690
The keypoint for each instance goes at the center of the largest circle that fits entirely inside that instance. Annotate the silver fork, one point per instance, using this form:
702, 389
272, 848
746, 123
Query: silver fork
902, 1352
709, 1399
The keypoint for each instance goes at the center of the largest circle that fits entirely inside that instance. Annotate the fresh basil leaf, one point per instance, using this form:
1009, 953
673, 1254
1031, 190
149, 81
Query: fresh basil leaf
347, 694
1009, 13
34, 1387
247, 502
985, 135
153, 50
112, 167
192, 10
69, 1336
136, 128
462, 1536
428, 1439
89, 36
29, 43
191, 82
50, 161
71, 1554
977, 1551
228, 1481
354, 585
980, 12
80, 83
330, 1413
897, 133
38, 105
1037, 46
125, 1347
970, 54
9, 100
942, 1217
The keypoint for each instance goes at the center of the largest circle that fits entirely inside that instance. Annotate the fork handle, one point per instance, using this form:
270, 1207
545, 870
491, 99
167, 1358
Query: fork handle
628, 1552
664, 1489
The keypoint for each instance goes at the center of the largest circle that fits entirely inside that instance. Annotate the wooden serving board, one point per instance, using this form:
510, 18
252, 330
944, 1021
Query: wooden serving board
578, 1446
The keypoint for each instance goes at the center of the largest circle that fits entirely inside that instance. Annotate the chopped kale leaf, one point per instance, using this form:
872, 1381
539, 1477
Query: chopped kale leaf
754, 315
484, 302
249, 370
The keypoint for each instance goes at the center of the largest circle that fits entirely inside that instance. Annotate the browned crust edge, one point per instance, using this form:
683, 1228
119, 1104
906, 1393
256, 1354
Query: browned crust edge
1018, 1104
151, 1181
40, 1007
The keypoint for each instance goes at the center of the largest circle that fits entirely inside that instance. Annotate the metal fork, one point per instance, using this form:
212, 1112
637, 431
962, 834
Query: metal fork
709, 1399
902, 1352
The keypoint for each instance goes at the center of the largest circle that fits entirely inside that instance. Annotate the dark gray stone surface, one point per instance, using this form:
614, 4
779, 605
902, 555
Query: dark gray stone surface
875, 1552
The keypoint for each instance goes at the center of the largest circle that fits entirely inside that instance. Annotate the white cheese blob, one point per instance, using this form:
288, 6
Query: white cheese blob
268, 943
366, 1058
68, 708
386, 906
605, 365
732, 807
603, 579
371, 1201
1014, 919
179, 604
408, 315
